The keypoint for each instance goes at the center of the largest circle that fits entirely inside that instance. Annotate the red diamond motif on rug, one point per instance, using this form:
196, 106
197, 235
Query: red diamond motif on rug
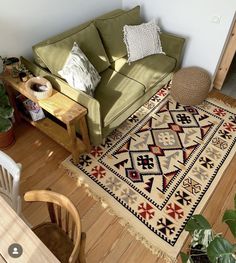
175, 127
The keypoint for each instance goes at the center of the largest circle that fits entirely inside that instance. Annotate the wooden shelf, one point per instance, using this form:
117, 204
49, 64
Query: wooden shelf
57, 133
62, 108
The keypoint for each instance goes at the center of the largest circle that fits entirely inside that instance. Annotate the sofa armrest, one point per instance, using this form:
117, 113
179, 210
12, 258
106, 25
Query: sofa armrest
172, 45
93, 117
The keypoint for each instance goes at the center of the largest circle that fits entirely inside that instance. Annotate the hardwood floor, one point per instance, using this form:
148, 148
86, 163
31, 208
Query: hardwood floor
107, 240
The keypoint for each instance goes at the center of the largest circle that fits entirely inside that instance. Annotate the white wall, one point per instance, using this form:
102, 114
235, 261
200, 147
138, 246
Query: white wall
192, 19
24, 23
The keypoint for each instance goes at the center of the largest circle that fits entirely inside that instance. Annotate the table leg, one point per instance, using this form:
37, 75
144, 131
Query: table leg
84, 133
74, 148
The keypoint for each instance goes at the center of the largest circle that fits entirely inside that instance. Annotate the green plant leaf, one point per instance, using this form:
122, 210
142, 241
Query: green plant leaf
202, 237
197, 222
221, 251
5, 124
4, 101
230, 219
235, 202
6, 112
185, 258
234, 245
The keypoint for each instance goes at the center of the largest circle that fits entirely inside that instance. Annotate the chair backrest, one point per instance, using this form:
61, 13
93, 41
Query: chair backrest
71, 224
9, 181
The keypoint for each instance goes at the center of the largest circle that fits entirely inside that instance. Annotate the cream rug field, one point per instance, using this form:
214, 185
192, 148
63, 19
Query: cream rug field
160, 167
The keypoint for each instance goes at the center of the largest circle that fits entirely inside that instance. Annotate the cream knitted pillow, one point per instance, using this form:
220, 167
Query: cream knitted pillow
142, 40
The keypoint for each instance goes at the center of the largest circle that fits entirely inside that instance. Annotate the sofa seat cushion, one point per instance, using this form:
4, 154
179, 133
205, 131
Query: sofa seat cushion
55, 54
115, 94
147, 71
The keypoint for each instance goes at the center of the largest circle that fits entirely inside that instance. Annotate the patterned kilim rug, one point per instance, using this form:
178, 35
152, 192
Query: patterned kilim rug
161, 166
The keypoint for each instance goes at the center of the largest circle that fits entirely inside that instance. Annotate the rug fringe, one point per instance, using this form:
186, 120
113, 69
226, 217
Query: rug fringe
81, 183
226, 104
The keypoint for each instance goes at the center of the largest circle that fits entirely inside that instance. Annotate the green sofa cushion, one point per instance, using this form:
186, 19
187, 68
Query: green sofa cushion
66, 34
115, 94
147, 71
172, 45
111, 31
54, 54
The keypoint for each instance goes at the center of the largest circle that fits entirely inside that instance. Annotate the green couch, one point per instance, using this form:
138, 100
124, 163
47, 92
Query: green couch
123, 87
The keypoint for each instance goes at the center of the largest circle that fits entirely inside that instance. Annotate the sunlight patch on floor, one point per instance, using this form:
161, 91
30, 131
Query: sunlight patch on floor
50, 153
37, 143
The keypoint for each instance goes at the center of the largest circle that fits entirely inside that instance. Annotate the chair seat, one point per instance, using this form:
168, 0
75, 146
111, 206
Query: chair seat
55, 239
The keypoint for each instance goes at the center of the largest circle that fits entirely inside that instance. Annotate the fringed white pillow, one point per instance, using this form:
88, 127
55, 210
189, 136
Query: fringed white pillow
142, 40
79, 72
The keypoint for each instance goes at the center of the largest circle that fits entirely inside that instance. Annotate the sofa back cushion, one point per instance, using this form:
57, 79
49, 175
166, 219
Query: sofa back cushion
54, 55
38, 47
111, 31
39, 53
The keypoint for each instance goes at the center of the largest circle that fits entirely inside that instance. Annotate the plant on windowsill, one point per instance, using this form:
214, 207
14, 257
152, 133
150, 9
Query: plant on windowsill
10, 65
6, 113
208, 246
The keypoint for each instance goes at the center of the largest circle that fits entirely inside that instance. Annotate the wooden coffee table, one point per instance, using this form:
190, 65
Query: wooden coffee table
62, 108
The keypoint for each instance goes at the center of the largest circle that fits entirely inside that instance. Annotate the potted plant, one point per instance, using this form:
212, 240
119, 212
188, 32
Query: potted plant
208, 246
6, 113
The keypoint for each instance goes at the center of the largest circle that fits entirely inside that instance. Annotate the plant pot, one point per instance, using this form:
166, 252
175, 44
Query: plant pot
7, 138
198, 257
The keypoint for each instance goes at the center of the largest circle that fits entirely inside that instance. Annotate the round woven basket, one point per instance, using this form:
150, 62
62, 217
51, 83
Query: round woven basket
39, 87
190, 86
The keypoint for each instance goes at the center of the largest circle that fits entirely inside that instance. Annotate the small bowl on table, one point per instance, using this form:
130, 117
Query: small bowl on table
39, 87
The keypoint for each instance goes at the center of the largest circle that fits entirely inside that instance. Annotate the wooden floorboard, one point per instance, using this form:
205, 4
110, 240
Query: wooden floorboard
107, 240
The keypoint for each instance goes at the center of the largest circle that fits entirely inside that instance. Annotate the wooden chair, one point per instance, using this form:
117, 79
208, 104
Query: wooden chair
9, 181
62, 237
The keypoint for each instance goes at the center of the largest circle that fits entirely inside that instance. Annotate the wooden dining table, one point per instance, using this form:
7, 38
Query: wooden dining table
14, 230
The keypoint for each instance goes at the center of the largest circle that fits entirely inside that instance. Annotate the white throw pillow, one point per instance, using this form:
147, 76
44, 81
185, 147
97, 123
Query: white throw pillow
79, 72
142, 40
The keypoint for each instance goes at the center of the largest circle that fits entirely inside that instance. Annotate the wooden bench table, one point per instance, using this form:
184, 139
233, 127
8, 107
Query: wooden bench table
61, 107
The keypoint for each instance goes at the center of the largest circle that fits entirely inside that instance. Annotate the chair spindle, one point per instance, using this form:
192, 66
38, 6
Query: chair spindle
67, 222
52, 213
59, 216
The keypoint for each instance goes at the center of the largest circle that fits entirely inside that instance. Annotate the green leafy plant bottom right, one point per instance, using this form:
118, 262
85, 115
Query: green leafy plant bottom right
208, 246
